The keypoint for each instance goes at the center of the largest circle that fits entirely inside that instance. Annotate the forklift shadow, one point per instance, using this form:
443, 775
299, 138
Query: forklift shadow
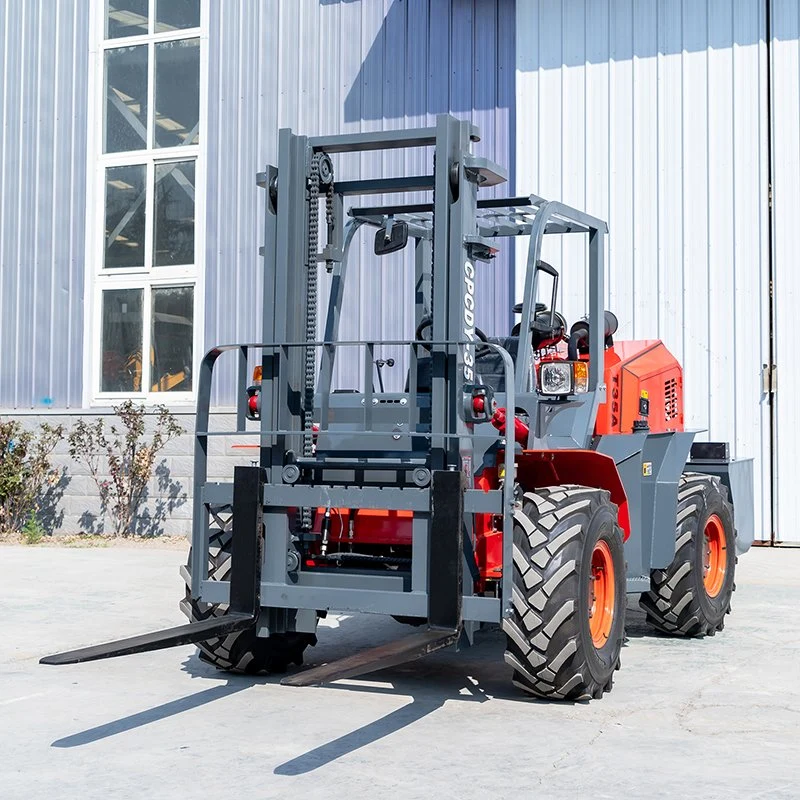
478, 674
636, 626
234, 684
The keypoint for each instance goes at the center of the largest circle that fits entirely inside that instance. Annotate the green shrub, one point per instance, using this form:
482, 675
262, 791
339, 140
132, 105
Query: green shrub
121, 461
32, 531
25, 471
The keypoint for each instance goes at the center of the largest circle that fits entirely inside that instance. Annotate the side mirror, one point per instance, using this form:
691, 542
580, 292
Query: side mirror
391, 238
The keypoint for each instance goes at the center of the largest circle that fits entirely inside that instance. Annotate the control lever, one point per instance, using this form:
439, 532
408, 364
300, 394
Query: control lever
380, 363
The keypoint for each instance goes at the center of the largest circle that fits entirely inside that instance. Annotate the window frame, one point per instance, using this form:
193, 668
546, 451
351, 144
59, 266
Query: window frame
98, 278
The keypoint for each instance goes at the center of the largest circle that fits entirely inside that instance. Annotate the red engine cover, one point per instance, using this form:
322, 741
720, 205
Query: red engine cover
637, 371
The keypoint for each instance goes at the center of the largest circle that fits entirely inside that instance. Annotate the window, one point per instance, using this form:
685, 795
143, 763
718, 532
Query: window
143, 239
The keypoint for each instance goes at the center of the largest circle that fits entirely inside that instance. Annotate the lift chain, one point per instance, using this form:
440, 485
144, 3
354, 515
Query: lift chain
318, 160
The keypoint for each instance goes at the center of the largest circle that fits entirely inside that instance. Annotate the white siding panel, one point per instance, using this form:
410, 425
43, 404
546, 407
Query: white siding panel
336, 66
650, 114
785, 23
44, 57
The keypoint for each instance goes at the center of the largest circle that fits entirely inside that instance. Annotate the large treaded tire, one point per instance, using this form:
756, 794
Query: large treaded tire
549, 642
241, 651
678, 602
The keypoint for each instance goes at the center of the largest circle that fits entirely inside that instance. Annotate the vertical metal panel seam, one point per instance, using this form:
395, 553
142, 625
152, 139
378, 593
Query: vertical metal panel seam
20, 199
562, 160
3, 162
610, 150
241, 152
71, 288
37, 145
539, 88
586, 155
683, 161
659, 187
222, 58
709, 409
53, 195
634, 204
735, 183
764, 241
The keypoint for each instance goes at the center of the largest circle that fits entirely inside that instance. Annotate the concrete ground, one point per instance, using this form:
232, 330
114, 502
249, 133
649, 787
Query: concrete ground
713, 718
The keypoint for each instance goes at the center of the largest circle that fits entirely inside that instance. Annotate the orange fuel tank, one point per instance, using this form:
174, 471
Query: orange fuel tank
644, 382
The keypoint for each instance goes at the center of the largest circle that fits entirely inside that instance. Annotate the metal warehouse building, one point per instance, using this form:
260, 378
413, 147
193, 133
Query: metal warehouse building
131, 132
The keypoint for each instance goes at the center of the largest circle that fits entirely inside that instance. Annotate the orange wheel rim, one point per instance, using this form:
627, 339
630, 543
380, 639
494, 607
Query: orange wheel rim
601, 594
715, 556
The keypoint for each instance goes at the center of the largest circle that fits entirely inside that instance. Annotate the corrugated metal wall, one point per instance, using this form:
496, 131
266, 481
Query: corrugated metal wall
44, 54
330, 66
652, 114
785, 50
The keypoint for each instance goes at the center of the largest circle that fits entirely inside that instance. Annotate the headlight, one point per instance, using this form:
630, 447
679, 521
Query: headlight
564, 377
556, 378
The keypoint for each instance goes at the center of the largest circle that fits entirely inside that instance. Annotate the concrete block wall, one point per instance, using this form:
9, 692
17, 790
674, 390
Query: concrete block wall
73, 504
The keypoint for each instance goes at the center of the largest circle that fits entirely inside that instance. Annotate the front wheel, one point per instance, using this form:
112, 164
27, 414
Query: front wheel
568, 623
241, 651
693, 594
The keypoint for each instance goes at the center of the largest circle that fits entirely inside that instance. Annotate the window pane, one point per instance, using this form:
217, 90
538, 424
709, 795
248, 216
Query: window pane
177, 98
171, 335
173, 241
125, 124
177, 93
126, 18
177, 14
122, 341
125, 220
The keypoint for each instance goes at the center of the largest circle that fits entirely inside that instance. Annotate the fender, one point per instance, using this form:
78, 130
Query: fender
536, 468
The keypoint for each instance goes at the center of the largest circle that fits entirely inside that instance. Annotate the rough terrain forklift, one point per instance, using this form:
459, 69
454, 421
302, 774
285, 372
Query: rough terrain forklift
532, 480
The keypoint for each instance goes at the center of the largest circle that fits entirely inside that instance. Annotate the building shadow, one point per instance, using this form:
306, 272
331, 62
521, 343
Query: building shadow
48, 513
150, 522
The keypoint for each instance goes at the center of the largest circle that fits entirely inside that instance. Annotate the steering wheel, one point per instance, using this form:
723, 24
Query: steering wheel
427, 323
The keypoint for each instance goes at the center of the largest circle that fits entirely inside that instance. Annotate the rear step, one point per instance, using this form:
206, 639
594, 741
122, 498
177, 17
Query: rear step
401, 651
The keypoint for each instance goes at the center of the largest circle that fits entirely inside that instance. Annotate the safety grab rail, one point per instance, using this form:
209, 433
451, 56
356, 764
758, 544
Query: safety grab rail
200, 517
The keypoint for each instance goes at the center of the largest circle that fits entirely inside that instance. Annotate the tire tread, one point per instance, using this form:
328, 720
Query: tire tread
542, 637
671, 605
241, 651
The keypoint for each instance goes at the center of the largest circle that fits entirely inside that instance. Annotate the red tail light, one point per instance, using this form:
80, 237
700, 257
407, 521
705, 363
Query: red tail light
254, 402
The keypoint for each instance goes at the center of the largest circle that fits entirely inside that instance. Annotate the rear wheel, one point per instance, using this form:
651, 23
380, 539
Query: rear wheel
693, 594
565, 633
241, 651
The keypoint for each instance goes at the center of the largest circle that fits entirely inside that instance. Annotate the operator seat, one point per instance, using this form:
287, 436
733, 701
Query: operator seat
489, 363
